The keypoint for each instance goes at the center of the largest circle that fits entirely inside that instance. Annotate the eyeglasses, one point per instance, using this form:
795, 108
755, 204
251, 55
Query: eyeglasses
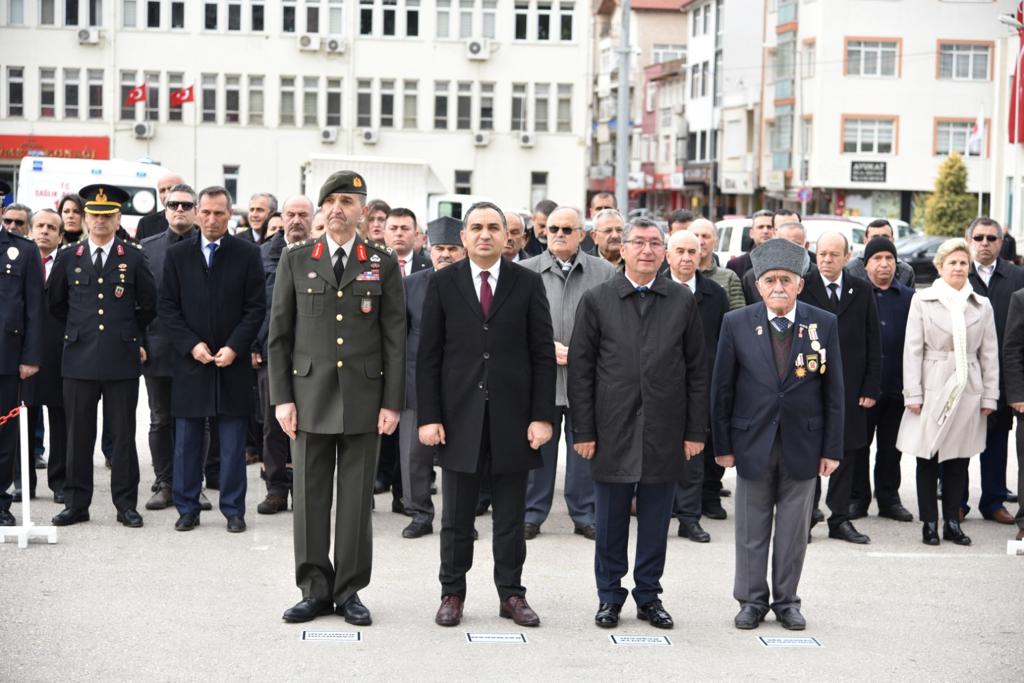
564, 229
17, 222
986, 238
639, 244
184, 206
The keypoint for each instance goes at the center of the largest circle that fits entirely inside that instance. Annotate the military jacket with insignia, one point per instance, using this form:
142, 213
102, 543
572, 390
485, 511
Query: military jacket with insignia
105, 313
337, 349
22, 304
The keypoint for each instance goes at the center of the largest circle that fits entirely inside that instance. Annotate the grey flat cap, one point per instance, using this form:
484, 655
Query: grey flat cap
444, 230
779, 254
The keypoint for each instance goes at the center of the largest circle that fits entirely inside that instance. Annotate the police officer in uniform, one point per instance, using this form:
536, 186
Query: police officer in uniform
22, 310
103, 290
337, 379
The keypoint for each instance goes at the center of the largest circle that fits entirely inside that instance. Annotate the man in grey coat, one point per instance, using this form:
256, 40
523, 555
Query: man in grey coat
567, 273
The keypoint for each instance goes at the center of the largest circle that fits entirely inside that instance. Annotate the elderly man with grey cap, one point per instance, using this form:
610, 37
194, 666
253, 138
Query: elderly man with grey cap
417, 460
777, 417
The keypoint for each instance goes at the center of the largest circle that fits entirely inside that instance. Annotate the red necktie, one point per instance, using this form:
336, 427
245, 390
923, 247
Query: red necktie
46, 259
401, 265
486, 295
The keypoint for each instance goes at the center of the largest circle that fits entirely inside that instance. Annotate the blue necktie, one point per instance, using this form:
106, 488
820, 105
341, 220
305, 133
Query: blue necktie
781, 324
212, 247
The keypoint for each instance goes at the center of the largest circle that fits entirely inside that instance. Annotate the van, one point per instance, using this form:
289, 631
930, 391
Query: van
42, 181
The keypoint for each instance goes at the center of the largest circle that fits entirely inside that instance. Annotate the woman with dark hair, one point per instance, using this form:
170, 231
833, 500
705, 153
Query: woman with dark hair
71, 209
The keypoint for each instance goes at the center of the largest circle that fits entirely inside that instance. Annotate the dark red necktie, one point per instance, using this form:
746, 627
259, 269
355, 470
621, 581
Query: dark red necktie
486, 295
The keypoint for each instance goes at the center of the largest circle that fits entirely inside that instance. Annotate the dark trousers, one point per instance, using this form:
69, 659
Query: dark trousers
389, 464
713, 473
993, 472
459, 494
56, 464
120, 399
254, 426
611, 548
275, 443
161, 430
37, 434
688, 497
9, 438
188, 464
839, 485
954, 478
579, 486
417, 467
884, 424
1020, 472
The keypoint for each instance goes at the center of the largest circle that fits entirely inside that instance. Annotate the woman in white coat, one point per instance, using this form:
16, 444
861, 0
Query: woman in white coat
950, 385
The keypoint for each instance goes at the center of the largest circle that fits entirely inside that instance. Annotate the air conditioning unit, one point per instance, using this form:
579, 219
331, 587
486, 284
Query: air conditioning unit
482, 138
527, 139
89, 36
369, 136
478, 49
309, 42
334, 45
329, 135
144, 130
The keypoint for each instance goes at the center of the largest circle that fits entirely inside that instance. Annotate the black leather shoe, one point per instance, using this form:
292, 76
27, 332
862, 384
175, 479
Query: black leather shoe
187, 522
6, 518
712, 509
694, 532
748, 618
476, 534
204, 503
655, 613
530, 531
817, 516
951, 531
397, 506
607, 615
69, 516
130, 518
380, 487
236, 524
791, 619
847, 532
897, 512
858, 511
588, 531
354, 611
930, 533
481, 507
417, 529
58, 497
724, 492
307, 610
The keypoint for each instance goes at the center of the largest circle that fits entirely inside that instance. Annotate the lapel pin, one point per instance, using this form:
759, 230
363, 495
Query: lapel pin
759, 330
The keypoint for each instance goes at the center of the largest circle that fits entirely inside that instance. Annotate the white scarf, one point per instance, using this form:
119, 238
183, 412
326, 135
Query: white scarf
955, 301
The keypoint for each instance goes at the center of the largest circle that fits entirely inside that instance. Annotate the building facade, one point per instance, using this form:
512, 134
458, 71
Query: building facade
493, 94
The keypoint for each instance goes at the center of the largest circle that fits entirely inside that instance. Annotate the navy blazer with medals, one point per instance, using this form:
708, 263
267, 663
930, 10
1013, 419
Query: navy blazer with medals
750, 404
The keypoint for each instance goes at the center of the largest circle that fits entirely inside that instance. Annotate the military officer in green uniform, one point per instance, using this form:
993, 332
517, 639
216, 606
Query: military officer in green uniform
337, 381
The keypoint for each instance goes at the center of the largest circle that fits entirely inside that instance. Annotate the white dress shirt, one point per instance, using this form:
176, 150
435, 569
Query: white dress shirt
691, 283
332, 248
105, 248
646, 284
492, 279
985, 272
205, 243
827, 282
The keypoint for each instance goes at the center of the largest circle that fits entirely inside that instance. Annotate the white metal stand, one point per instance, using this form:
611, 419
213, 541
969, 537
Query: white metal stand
27, 530
1015, 548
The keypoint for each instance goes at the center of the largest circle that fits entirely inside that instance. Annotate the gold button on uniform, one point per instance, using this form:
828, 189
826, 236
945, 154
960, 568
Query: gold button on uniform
100, 311
100, 295
101, 328
295, 372
309, 291
99, 280
340, 341
339, 294
339, 317
340, 364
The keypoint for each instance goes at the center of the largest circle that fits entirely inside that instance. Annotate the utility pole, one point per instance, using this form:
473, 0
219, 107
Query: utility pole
622, 126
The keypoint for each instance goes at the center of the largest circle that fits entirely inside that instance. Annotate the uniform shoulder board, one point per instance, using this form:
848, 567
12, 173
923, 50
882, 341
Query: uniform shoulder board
302, 243
16, 236
381, 247
67, 246
137, 245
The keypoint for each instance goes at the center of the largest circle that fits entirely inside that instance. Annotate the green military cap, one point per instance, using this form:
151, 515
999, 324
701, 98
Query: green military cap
348, 182
103, 199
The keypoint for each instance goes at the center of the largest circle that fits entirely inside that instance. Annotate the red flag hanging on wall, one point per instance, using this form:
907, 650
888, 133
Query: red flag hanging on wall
136, 94
180, 97
1017, 92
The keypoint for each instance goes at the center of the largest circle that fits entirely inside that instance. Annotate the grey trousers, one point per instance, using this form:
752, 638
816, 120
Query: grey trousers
417, 462
689, 490
579, 486
788, 502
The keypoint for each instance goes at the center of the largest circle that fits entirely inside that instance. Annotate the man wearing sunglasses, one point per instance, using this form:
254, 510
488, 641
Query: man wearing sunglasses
996, 279
18, 218
179, 217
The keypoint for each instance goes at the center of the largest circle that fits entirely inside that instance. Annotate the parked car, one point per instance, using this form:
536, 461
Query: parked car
919, 253
818, 224
900, 228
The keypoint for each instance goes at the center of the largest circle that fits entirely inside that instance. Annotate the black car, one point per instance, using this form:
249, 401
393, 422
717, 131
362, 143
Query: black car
919, 252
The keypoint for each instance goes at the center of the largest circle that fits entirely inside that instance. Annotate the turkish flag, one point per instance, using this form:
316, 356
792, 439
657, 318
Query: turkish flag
180, 97
136, 94
1017, 92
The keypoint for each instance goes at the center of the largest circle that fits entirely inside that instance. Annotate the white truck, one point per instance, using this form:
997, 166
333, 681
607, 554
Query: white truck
42, 181
409, 183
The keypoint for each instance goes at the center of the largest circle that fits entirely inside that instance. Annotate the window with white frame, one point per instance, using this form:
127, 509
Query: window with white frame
410, 99
695, 83
441, 89
544, 21
807, 63
443, 19
650, 96
333, 101
465, 18
175, 81
518, 107
490, 18
209, 97
464, 106
565, 14
335, 17
364, 102
72, 88
152, 111
153, 13
412, 18
129, 13
387, 103
366, 17
564, 121
312, 16
232, 98
389, 17
310, 101
522, 18
871, 57
288, 22
963, 62
541, 107
127, 85
806, 136
231, 181
47, 93
16, 13
210, 16
257, 15
463, 182
256, 105
955, 136
95, 85
71, 12
178, 15
47, 12
486, 106
286, 115
869, 136
663, 52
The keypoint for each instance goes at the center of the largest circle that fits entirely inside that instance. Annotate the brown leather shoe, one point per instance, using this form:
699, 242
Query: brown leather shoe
450, 611
1000, 515
272, 505
518, 610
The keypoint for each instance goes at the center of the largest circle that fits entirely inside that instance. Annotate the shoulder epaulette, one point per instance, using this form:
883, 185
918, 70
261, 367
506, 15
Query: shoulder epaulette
381, 247
302, 243
67, 246
137, 245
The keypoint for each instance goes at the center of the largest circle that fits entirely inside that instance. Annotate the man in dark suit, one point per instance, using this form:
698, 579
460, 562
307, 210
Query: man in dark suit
996, 279
337, 361
212, 303
44, 387
22, 347
712, 304
633, 413
157, 222
485, 396
852, 300
762, 229
103, 290
180, 216
777, 416
417, 460
261, 206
